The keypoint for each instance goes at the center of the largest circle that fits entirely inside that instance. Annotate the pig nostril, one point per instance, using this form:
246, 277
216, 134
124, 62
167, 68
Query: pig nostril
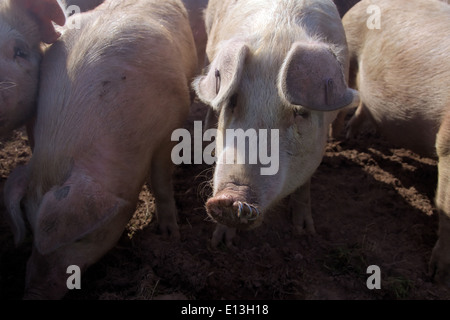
218, 81
256, 216
241, 208
249, 216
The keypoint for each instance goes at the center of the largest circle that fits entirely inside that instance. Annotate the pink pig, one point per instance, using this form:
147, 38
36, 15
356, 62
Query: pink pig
111, 94
24, 25
403, 76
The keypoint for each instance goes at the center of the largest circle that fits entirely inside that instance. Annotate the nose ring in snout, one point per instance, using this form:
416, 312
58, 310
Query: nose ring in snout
250, 216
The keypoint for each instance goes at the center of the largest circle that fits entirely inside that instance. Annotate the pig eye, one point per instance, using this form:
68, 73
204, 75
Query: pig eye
233, 102
20, 53
301, 112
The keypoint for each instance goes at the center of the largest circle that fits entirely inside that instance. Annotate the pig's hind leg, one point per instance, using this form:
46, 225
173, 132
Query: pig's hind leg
300, 206
162, 187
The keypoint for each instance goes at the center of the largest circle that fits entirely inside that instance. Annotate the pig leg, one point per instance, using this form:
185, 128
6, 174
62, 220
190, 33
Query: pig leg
338, 124
361, 115
210, 119
440, 258
30, 132
162, 187
15, 190
300, 206
223, 234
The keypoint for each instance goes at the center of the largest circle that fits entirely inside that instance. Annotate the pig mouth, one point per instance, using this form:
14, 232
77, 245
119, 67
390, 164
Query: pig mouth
234, 213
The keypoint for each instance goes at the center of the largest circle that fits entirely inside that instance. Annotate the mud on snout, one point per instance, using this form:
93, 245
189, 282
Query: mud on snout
235, 207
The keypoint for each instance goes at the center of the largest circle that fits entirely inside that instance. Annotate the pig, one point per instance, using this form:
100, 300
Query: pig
403, 76
111, 93
24, 25
275, 65
195, 9
211, 118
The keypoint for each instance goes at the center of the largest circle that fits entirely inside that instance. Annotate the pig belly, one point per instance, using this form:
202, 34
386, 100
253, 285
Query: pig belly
418, 135
406, 116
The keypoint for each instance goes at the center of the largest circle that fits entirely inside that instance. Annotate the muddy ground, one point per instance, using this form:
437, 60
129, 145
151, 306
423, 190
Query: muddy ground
372, 205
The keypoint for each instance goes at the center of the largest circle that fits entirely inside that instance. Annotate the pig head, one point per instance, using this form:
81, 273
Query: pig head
279, 86
75, 223
24, 24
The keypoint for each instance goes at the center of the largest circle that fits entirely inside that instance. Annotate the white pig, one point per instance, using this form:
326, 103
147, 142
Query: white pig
274, 65
402, 70
111, 94
23, 25
195, 9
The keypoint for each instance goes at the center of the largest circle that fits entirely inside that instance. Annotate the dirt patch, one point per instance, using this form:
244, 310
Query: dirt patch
372, 205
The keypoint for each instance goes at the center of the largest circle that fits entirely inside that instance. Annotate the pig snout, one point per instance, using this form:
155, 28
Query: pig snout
235, 207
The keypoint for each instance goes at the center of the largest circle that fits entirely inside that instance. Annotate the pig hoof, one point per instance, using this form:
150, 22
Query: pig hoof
308, 229
169, 232
223, 234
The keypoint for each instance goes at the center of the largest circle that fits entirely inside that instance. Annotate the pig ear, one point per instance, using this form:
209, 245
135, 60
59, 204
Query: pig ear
70, 212
15, 191
45, 11
312, 77
224, 74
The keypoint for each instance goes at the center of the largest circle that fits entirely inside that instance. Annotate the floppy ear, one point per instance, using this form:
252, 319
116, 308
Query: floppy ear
44, 12
72, 211
312, 77
223, 75
15, 191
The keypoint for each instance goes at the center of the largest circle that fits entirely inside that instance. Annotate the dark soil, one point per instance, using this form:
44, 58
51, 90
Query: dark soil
372, 205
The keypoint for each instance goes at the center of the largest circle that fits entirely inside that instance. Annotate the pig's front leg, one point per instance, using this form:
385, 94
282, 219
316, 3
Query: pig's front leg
223, 234
362, 114
338, 124
30, 132
440, 258
300, 207
162, 187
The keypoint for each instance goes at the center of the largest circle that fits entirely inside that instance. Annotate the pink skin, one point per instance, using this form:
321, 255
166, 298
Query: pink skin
294, 87
402, 75
98, 131
84, 5
233, 206
440, 258
195, 10
23, 25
